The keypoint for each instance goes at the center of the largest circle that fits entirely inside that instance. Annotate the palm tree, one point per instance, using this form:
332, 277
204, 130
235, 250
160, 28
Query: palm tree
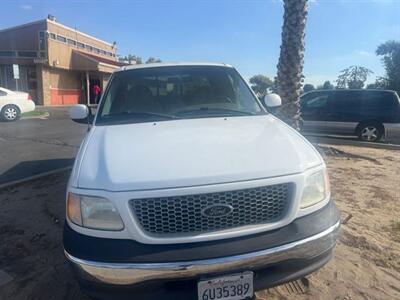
291, 61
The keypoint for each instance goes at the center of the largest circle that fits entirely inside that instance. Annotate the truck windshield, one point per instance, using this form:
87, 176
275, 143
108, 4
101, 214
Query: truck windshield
162, 93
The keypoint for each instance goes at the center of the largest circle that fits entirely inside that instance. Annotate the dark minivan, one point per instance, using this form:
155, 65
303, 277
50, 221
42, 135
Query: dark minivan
369, 114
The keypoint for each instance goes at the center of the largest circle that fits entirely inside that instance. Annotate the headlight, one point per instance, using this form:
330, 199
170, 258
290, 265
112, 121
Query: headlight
316, 189
93, 212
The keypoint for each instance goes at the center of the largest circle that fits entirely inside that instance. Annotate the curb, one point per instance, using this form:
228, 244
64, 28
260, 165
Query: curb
33, 177
346, 142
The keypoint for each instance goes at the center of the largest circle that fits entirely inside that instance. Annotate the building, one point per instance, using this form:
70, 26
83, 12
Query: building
58, 65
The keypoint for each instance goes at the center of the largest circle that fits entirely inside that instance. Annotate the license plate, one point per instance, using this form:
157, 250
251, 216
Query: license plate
232, 287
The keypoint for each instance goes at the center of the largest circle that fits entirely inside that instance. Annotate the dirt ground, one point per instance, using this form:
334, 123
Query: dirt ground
366, 264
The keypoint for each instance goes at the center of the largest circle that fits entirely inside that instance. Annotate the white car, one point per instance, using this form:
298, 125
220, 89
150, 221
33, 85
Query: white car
185, 187
13, 104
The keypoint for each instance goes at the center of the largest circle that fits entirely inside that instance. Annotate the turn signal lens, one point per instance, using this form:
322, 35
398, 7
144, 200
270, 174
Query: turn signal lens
74, 209
93, 212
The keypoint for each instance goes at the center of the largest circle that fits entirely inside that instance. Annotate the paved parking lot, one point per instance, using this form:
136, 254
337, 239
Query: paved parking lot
33, 146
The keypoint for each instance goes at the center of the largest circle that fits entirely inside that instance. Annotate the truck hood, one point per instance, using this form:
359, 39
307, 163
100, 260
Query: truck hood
191, 152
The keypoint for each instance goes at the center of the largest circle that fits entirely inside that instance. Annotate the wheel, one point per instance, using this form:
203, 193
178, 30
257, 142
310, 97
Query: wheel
370, 132
10, 113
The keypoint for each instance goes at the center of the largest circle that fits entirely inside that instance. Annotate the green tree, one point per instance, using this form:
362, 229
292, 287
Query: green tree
390, 52
353, 77
328, 85
260, 84
308, 87
152, 60
291, 61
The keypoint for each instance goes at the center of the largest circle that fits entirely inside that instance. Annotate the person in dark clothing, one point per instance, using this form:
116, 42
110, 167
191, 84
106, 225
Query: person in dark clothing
96, 90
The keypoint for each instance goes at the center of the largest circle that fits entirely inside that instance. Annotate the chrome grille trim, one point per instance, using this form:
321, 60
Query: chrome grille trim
185, 214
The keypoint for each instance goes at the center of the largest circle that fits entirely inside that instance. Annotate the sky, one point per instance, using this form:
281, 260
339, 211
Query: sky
242, 33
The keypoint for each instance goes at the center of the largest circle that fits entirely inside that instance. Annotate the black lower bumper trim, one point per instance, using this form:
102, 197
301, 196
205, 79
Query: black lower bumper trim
104, 250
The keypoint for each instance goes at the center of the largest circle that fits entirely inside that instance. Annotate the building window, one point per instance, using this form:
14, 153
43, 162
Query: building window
81, 45
61, 38
42, 54
89, 48
52, 36
27, 53
31, 78
71, 42
109, 54
103, 52
42, 41
7, 54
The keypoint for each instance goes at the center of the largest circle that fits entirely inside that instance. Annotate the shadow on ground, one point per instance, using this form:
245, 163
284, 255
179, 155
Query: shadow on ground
30, 168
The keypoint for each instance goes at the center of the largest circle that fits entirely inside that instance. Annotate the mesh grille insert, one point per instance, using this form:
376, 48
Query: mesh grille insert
192, 213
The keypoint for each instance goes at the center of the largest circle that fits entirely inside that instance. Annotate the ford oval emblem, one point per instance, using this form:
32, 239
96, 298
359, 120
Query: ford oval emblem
217, 210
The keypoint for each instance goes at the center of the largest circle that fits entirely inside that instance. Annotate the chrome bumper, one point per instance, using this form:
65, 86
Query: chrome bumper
126, 274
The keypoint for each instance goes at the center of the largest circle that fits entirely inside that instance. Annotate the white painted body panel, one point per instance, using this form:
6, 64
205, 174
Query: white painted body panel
192, 152
20, 99
194, 156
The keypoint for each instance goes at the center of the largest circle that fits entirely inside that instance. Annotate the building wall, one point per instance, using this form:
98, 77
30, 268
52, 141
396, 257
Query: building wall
60, 53
19, 40
52, 76
23, 37
45, 80
76, 35
65, 87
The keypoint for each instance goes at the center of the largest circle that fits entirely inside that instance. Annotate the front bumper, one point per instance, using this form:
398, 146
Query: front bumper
288, 253
129, 273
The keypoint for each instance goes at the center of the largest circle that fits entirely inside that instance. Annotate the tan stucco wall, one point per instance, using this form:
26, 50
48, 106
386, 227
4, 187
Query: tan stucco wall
72, 34
60, 54
60, 79
45, 85
56, 79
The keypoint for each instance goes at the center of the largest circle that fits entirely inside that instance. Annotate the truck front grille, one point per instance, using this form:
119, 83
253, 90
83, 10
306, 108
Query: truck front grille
213, 211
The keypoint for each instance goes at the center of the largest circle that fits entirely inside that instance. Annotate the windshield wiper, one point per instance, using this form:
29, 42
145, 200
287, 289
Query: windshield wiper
214, 110
144, 114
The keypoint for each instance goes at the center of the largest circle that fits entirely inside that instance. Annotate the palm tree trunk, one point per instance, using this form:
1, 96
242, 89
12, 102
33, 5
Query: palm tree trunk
291, 61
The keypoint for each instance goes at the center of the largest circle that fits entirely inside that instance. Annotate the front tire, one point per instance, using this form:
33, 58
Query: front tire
10, 113
370, 132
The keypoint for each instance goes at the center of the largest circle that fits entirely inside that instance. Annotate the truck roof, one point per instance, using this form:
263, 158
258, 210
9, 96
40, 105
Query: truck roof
172, 64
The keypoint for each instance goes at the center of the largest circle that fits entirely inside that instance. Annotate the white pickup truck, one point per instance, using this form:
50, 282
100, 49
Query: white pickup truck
185, 187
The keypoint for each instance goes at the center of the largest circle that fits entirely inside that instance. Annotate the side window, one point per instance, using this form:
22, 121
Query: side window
2, 93
347, 101
379, 100
315, 101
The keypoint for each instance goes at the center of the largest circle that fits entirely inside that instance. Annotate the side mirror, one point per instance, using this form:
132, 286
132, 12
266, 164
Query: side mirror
81, 113
272, 100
